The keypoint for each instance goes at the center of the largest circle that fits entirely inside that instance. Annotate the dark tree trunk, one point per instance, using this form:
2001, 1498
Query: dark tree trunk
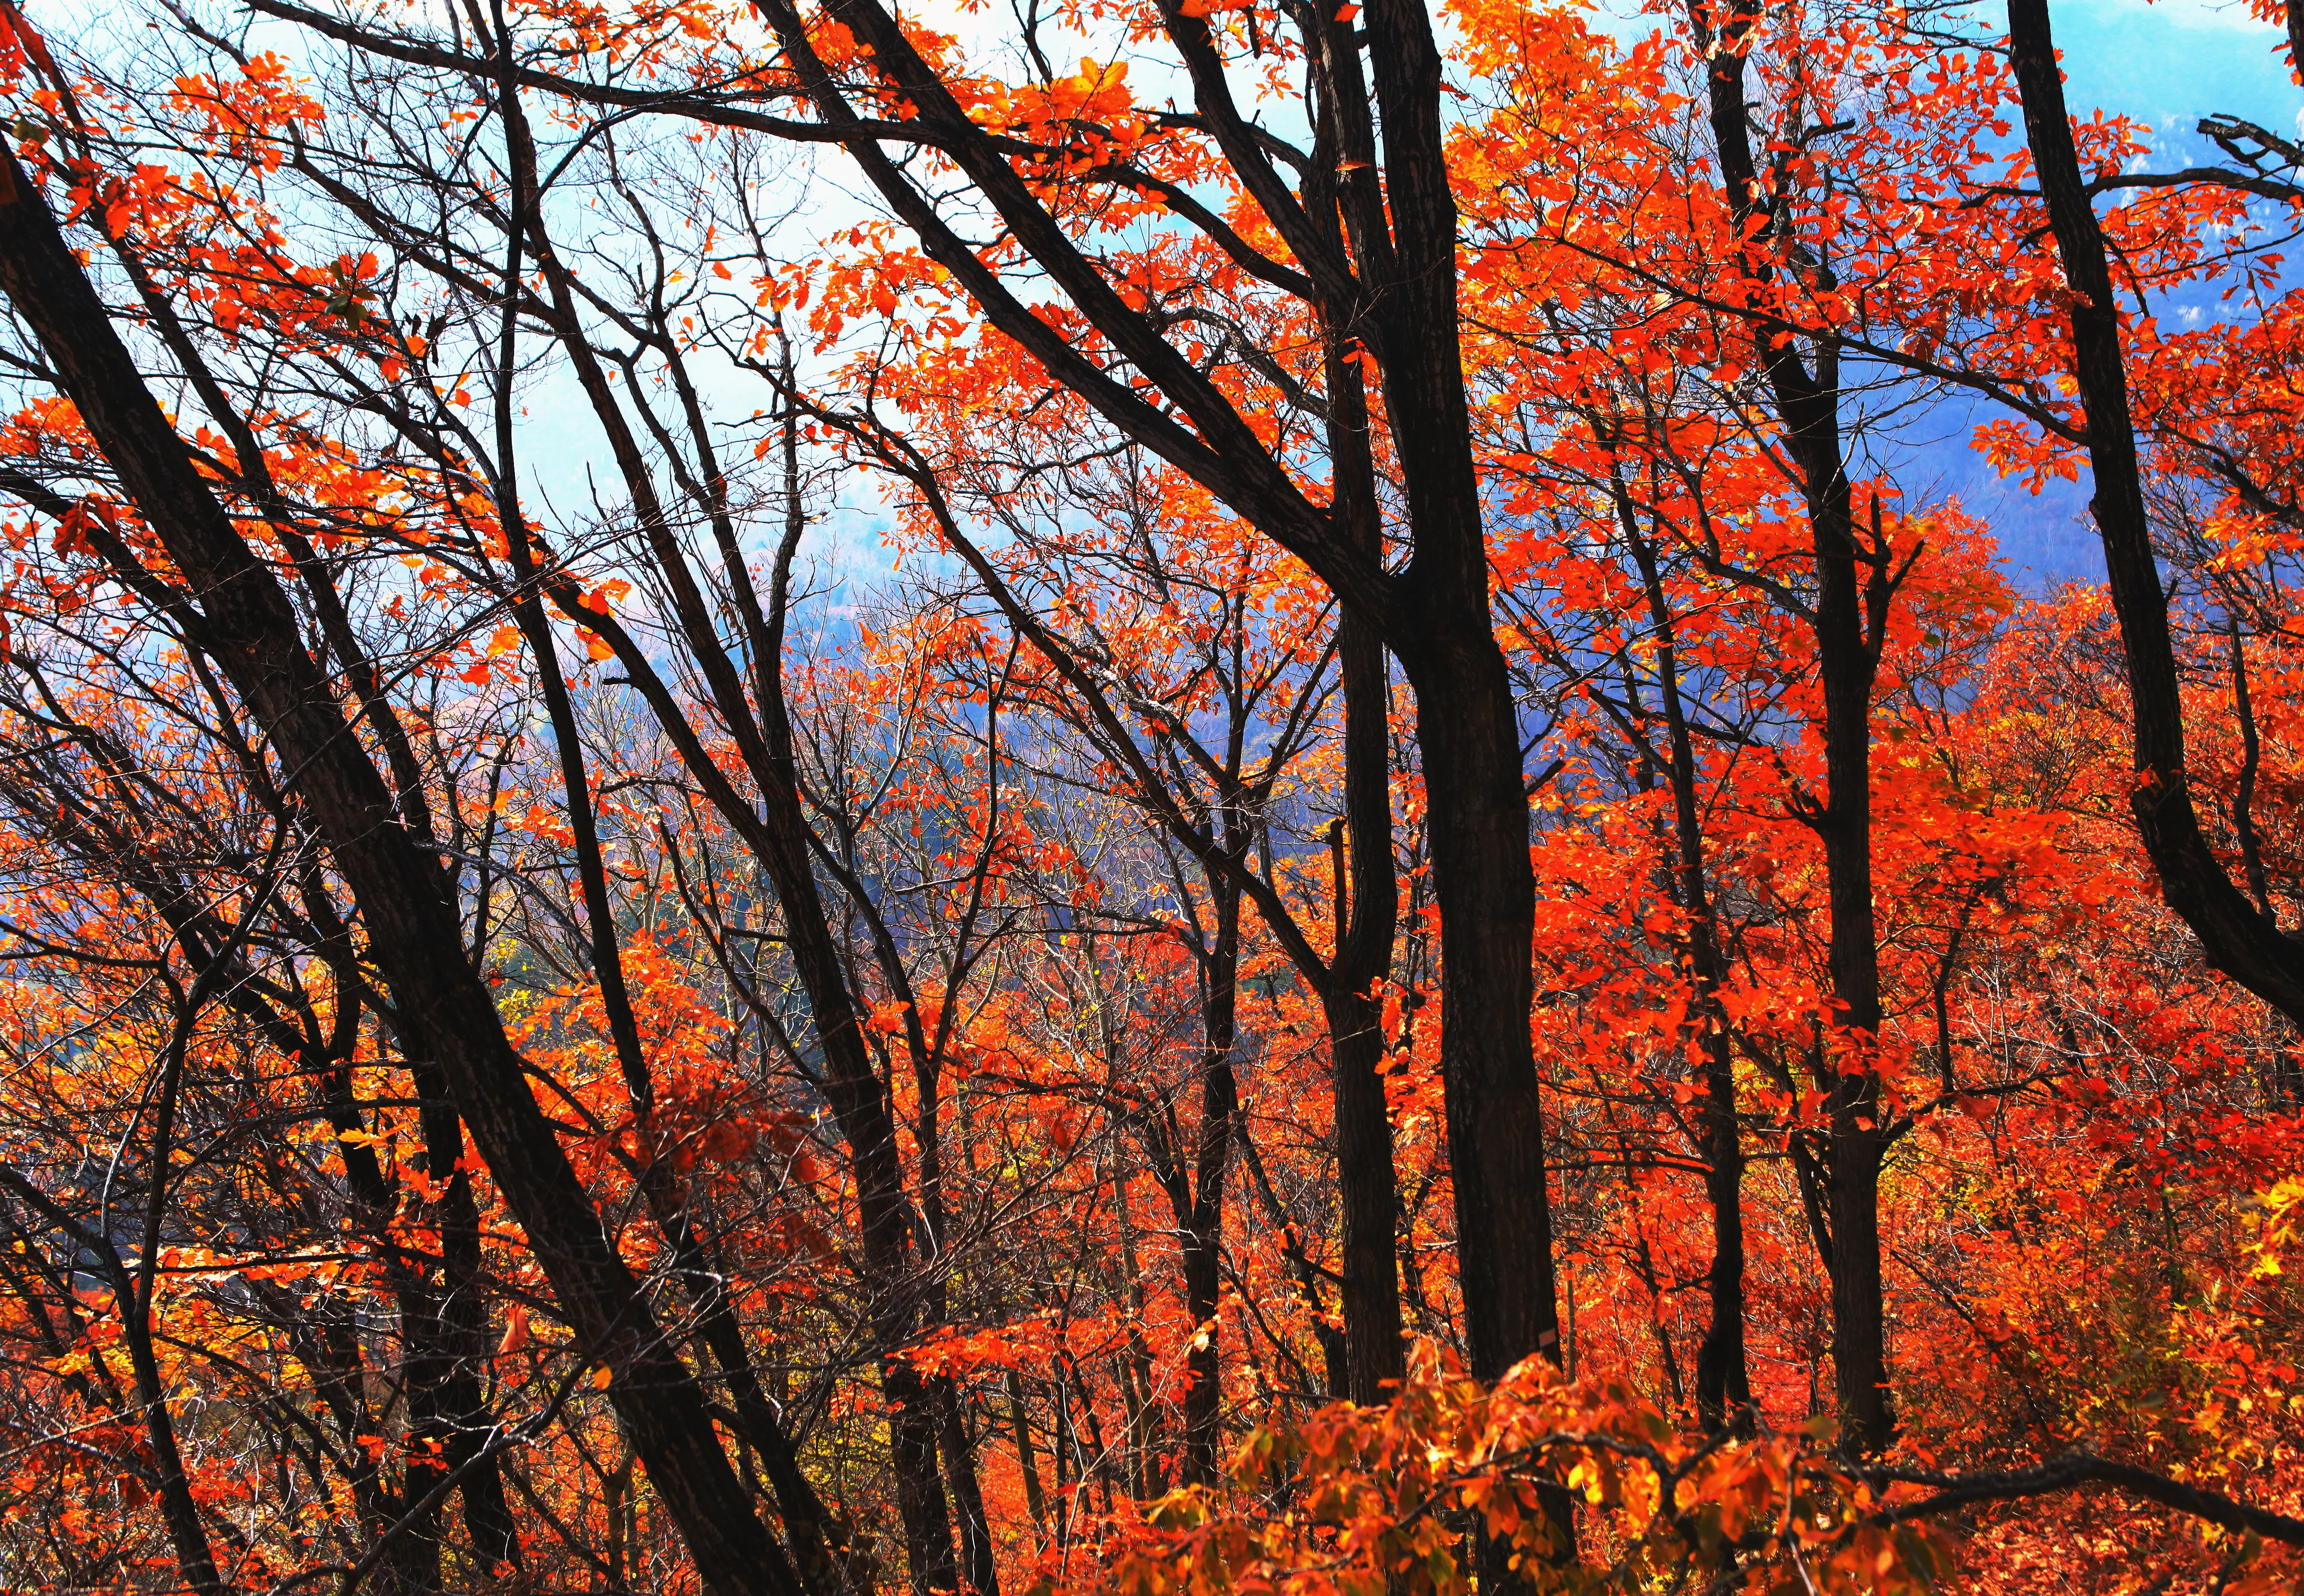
448, 1342
1853, 589
1477, 830
967, 1490
1366, 915
1723, 1386
1467, 727
1201, 1222
2237, 936
1373, 1351
1857, 1141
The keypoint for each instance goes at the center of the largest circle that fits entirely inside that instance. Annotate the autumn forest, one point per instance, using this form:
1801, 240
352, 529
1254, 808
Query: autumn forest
1145, 798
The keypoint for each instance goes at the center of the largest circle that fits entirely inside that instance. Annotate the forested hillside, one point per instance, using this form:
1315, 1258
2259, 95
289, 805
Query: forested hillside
1152, 797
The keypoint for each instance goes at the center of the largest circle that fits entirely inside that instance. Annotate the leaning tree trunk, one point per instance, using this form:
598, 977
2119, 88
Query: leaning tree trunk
2240, 938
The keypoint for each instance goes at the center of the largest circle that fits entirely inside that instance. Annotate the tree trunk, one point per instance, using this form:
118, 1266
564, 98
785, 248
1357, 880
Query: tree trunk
1848, 652
1478, 821
1373, 1354
1468, 729
1202, 1222
1723, 1386
2239, 937
1367, 916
